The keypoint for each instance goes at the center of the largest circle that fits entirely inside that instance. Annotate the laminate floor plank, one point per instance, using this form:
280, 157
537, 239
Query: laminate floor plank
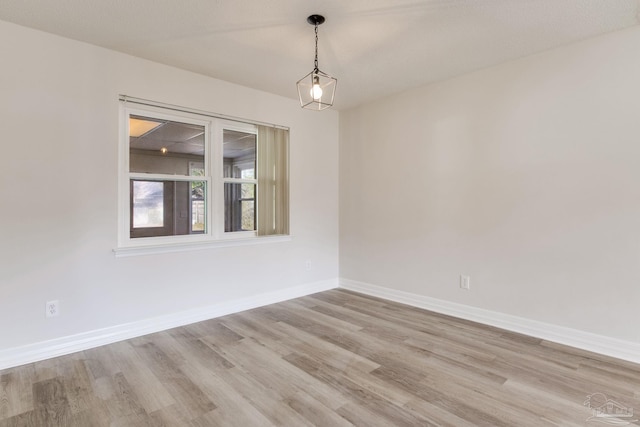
383, 389
278, 374
16, 393
179, 385
285, 346
451, 342
250, 324
317, 317
353, 391
336, 358
361, 415
199, 349
299, 341
151, 391
232, 408
318, 414
268, 401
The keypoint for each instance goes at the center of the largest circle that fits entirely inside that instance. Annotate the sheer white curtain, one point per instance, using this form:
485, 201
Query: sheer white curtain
273, 181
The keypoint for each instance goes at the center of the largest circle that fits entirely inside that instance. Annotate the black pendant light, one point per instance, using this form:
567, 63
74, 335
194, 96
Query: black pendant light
317, 89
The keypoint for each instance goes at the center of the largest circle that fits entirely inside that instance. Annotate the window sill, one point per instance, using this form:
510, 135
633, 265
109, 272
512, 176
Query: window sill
194, 246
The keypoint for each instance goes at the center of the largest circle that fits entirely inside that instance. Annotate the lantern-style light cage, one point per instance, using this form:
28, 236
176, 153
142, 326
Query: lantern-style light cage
317, 89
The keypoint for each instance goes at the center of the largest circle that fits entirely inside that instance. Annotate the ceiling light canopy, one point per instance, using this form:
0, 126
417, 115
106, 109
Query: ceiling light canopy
317, 89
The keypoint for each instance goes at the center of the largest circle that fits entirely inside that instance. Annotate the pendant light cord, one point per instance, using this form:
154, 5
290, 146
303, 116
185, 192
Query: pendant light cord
315, 62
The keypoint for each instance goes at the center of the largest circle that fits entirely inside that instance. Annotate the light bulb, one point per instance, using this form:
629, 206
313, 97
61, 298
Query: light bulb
316, 90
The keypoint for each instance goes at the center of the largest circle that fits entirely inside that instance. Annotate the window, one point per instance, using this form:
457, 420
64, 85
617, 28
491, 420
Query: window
190, 177
239, 166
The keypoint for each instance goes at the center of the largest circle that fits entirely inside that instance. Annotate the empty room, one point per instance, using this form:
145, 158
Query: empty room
320, 213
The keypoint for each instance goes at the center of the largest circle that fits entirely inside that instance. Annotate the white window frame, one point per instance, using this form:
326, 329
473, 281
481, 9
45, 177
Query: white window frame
214, 234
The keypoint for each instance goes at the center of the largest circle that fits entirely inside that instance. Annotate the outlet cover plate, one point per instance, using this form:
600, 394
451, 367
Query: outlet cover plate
465, 282
52, 308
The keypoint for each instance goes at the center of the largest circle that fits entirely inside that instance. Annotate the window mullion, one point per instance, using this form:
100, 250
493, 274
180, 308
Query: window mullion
216, 204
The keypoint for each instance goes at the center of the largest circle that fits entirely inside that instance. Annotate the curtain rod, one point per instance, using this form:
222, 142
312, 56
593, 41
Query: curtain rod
149, 103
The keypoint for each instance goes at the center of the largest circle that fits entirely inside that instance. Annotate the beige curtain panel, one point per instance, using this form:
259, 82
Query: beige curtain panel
273, 181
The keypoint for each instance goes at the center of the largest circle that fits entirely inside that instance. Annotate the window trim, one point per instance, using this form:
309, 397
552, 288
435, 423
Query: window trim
214, 235
129, 251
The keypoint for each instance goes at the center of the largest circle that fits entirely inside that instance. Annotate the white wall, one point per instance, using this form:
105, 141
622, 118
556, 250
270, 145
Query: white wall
58, 193
525, 176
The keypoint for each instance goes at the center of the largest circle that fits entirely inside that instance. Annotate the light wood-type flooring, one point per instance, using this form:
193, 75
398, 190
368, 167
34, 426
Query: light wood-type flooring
335, 358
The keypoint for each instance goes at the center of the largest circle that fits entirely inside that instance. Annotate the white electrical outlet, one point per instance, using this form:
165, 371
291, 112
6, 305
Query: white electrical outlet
465, 282
53, 308
307, 265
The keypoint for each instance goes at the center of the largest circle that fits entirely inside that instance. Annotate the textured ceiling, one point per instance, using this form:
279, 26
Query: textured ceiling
374, 47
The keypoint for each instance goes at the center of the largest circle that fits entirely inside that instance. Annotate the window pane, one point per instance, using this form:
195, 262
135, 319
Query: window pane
148, 204
168, 208
239, 207
196, 169
164, 146
198, 211
239, 154
197, 216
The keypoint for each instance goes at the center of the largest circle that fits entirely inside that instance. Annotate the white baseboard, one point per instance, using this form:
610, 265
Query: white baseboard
620, 349
66, 345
